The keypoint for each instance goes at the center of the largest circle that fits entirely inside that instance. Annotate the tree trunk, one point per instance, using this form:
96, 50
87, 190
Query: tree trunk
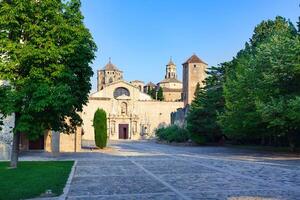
15, 146
15, 151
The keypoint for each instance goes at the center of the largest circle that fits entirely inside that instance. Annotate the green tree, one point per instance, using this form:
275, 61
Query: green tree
262, 85
208, 103
160, 94
152, 93
45, 52
100, 128
241, 122
278, 89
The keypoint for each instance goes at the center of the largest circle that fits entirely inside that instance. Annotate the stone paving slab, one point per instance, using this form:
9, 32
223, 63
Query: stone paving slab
104, 170
212, 181
173, 167
268, 173
157, 196
115, 185
104, 162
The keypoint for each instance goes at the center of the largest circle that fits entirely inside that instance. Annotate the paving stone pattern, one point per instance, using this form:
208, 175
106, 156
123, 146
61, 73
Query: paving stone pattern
146, 170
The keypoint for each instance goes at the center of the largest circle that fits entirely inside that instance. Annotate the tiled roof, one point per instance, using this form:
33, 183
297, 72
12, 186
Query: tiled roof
194, 59
137, 81
150, 84
170, 80
110, 67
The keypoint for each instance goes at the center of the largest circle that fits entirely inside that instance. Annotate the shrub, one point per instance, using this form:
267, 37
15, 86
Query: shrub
172, 133
198, 138
100, 128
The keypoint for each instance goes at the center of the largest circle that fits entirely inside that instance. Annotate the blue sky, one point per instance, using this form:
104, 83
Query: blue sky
141, 35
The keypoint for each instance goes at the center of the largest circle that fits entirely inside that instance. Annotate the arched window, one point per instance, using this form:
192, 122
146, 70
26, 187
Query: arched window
110, 80
121, 91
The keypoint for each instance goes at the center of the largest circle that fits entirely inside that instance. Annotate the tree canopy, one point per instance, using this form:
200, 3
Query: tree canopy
262, 85
45, 52
255, 97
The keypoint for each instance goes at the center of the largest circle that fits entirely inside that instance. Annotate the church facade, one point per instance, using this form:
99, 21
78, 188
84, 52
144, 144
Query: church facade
131, 113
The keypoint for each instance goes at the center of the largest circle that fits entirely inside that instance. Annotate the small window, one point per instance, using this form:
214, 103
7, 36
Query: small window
195, 65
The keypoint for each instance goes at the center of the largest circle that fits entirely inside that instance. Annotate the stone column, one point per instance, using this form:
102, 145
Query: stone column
55, 140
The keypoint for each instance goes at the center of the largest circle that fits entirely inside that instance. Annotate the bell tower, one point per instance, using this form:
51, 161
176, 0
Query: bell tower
109, 74
171, 70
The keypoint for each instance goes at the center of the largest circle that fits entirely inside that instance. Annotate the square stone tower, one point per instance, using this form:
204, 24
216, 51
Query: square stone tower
194, 71
109, 74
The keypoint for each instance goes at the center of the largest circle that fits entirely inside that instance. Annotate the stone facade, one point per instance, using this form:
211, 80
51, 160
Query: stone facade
134, 110
138, 84
54, 142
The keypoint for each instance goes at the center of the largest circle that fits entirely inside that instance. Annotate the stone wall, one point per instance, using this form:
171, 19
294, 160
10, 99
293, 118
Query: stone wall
172, 95
179, 117
6, 136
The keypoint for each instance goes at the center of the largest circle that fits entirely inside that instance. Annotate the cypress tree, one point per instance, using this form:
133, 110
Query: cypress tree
160, 94
100, 128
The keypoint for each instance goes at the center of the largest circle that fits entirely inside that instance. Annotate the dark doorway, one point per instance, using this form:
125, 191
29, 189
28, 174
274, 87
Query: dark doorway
37, 144
123, 131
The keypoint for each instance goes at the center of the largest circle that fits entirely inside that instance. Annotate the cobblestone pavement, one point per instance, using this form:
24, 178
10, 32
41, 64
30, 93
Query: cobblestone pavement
146, 170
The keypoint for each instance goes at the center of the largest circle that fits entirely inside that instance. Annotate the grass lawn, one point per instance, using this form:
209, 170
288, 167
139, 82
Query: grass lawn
32, 178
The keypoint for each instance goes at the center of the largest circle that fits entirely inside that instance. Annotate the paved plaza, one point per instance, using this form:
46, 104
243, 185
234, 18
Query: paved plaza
146, 170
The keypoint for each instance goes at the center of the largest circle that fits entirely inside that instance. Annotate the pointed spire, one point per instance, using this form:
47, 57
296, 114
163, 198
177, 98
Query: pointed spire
171, 61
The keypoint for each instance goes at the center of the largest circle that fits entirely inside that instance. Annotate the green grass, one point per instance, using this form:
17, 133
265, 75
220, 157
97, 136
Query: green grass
32, 178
